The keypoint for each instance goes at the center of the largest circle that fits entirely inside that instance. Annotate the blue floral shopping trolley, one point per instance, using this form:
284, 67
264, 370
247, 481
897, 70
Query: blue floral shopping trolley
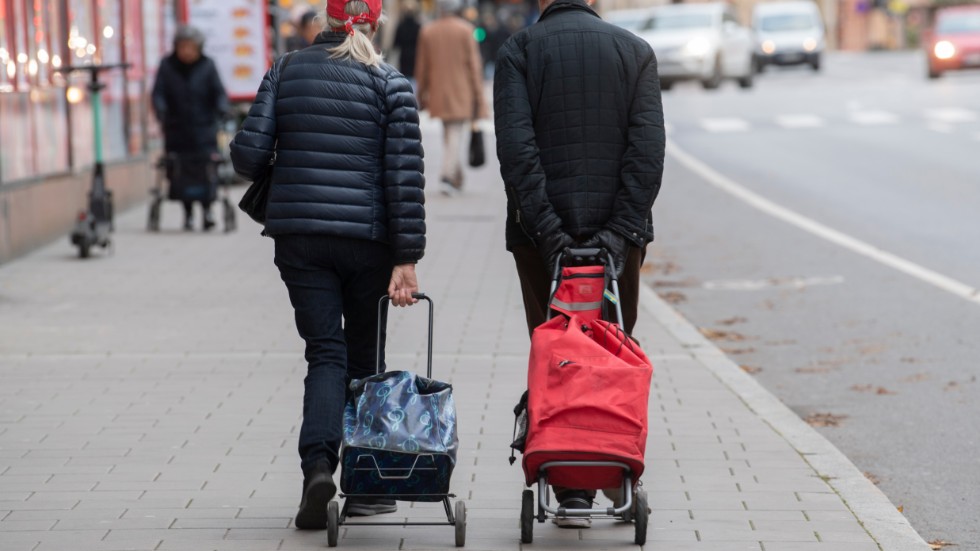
400, 443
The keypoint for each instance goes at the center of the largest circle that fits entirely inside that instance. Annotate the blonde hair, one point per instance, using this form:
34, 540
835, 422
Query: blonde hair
357, 46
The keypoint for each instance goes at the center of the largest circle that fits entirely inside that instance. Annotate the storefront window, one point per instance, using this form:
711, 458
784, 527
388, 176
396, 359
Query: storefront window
46, 114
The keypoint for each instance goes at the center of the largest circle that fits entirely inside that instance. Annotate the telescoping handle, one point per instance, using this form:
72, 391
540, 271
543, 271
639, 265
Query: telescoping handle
588, 256
381, 304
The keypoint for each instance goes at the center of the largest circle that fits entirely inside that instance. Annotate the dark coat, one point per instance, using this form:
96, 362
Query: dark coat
406, 40
579, 124
188, 102
349, 152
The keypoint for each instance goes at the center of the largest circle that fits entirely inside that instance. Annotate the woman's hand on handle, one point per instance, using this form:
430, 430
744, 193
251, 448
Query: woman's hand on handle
403, 284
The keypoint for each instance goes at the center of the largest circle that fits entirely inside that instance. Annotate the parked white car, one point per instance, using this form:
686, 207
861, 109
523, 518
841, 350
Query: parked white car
632, 20
788, 33
701, 42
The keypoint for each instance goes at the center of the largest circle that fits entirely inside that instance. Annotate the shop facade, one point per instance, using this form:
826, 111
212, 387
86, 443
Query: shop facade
46, 142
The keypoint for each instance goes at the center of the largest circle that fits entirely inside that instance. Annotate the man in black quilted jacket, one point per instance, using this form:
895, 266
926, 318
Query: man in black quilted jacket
580, 138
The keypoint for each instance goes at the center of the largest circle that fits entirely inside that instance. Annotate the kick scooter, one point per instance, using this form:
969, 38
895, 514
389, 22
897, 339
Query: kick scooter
96, 223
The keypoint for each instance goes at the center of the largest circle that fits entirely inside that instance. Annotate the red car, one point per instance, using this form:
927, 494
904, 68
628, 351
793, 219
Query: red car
954, 43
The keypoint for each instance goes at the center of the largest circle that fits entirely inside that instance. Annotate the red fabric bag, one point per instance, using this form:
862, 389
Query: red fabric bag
588, 388
580, 292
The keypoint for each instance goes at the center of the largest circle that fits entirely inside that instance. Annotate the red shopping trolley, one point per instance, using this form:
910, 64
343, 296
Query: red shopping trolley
586, 406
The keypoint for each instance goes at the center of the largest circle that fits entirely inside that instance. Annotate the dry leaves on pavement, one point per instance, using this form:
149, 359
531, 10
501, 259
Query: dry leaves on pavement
824, 419
673, 297
939, 544
716, 335
750, 370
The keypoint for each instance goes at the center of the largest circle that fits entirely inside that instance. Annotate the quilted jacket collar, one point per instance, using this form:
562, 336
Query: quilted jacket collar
562, 5
330, 37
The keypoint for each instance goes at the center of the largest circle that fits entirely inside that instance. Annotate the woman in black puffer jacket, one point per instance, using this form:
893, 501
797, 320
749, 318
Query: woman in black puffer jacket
346, 212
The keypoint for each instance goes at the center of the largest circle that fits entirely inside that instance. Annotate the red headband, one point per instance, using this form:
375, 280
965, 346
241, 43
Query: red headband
335, 9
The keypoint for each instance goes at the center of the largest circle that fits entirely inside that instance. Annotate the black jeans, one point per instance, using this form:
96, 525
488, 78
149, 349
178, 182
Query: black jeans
334, 286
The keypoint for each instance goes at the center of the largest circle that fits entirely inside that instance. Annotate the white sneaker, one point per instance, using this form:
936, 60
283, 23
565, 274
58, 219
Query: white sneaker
574, 522
447, 189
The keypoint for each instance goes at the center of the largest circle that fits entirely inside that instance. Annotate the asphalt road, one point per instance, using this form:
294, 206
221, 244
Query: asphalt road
884, 353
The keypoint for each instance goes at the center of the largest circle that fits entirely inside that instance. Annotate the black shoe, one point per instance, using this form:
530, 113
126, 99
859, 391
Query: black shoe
318, 490
370, 506
208, 221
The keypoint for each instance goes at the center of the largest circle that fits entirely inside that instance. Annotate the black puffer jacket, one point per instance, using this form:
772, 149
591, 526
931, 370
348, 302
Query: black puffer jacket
349, 153
579, 124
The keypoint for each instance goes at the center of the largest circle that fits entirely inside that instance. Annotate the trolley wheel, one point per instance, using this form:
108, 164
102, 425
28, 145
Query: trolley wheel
460, 524
527, 516
641, 516
333, 523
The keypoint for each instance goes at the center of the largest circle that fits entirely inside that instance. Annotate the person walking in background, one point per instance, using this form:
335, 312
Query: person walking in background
580, 139
189, 100
407, 38
306, 31
346, 211
449, 73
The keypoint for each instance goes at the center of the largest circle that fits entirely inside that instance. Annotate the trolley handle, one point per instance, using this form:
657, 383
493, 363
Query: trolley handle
597, 255
382, 302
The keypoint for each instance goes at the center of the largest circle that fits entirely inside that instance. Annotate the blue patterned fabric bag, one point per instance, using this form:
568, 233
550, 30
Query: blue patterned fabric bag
399, 437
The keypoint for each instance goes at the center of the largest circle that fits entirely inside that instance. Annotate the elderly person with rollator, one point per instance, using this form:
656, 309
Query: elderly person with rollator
189, 100
346, 212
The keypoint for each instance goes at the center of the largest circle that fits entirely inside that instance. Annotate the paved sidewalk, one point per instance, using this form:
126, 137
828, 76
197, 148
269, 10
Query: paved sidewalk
150, 400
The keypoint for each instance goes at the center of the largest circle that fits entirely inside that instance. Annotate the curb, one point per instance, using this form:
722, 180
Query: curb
882, 520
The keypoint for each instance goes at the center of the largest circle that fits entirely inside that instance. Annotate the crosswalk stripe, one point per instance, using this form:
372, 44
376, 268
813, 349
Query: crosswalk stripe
724, 125
799, 121
950, 115
874, 117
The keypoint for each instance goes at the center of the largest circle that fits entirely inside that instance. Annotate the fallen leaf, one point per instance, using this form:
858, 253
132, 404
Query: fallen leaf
736, 351
673, 297
733, 321
824, 419
939, 544
882, 391
872, 478
901, 508
750, 370
717, 335
811, 370
916, 378
951, 385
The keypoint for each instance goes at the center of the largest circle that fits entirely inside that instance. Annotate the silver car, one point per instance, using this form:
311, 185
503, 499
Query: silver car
788, 33
702, 42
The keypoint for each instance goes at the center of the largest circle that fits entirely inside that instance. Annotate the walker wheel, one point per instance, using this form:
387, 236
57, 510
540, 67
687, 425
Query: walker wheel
527, 517
460, 524
333, 523
641, 515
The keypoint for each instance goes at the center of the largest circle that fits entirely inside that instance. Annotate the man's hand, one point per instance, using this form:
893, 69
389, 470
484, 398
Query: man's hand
615, 244
551, 245
403, 284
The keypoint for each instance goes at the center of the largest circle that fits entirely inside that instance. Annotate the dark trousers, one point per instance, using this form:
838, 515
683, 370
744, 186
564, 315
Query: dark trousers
536, 290
334, 286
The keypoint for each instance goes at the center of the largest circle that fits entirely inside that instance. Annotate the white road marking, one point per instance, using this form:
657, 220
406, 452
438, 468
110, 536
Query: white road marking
951, 115
799, 121
724, 125
775, 210
869, 118
770, 283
